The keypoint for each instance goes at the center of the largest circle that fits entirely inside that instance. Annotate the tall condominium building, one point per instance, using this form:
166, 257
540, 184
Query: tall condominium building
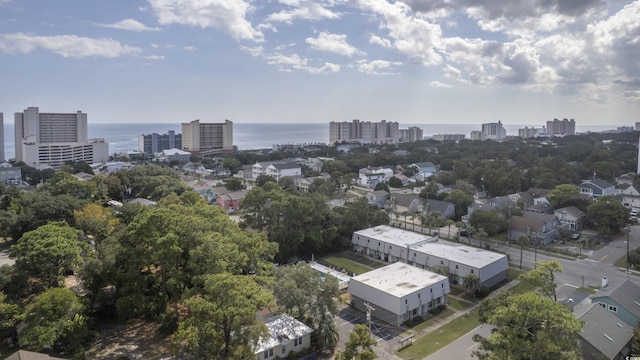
477, 135
494, 131
364, 132
561, 127
448, 137
412, 134
51, 139
531, 132
154, 143
1, 137
207, 138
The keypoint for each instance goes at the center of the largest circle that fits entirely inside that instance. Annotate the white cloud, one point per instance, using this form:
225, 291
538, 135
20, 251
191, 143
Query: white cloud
65, 45
229, 16
190, 48
335, 43
154, 57
130, 25
439, 84
295, 62
305, 10
377, 40
253, 51
411, 35
378, 67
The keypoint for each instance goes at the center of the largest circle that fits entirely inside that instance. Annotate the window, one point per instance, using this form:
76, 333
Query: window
441, 262
418, 295
295, 342
439, 300
270, 352
284, 350
613, 308
389, 247
431, 290
456, 266
405, 301
472, 271
602, 304
266, 354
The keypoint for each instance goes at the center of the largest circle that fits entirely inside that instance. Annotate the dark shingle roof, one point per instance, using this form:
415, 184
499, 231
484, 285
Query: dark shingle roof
625, 293
604, 331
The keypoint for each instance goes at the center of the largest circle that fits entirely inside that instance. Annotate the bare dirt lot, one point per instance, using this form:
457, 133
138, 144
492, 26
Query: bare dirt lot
136, 339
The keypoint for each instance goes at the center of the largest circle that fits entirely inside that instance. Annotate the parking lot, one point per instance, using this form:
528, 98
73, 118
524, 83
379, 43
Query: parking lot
386, 335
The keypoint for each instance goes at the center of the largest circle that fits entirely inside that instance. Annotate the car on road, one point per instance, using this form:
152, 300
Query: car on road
466, 232
575, 236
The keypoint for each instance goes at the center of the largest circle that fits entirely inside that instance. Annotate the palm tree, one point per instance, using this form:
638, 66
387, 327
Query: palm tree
482, 235
522, 240
327, 332
449, 222
405, 213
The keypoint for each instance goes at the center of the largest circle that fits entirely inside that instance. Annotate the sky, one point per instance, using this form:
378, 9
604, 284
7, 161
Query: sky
411, 61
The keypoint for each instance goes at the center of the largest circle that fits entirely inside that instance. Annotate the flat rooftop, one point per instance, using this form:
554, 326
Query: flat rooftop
399, 279
462, 254
394, 236
343, 279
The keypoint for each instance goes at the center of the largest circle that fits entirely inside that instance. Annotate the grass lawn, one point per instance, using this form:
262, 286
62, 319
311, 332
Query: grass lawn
522, 287
446, 312
444, 335
513, 273
361, 259
588, 290
622, 262
457, 304
347, 264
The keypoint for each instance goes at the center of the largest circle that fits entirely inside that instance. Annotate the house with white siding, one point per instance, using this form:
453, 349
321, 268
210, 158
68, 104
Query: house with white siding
286, 335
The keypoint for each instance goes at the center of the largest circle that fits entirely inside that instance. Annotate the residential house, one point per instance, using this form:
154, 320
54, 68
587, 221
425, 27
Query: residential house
230, 201
143, 202
540, 208
622, 299
370, 178
424, 170
626, 178
83, 176
280, 170
286, 335
596, 188
412, 204
570, 217
378, 198
603, 335
629, 195
542, 229
260, 168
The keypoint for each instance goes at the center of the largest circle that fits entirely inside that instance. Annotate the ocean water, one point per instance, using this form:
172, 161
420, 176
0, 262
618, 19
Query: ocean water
247, 136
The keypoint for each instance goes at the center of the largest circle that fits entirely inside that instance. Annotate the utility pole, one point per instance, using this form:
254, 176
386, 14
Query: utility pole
369, 310
628, 231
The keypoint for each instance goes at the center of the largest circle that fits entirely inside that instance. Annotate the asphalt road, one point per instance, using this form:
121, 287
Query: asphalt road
599, 264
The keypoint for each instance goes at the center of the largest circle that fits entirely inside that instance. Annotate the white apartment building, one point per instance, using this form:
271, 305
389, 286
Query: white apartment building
398, 292
207, 138
51, 139
412, 134
561, 127
364, 132
397, 245
494, 131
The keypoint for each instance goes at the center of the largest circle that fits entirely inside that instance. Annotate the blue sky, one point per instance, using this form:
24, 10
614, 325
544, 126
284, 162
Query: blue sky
411, 61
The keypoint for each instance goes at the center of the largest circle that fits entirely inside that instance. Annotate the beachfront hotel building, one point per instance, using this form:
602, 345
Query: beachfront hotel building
151, 144
412, 134
364, 132
561, 127
51, 139
494, 131
207, 138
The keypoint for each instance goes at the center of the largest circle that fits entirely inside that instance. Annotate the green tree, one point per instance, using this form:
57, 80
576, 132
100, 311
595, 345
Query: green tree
488, 220
286, 182
233, 183
9, 313
95, 220
48, 252
395, 182
543, 277
461, 200
528, 326
565, 195
359, 346
222, 318
54, 319
608, 214
263, 179
232, 164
